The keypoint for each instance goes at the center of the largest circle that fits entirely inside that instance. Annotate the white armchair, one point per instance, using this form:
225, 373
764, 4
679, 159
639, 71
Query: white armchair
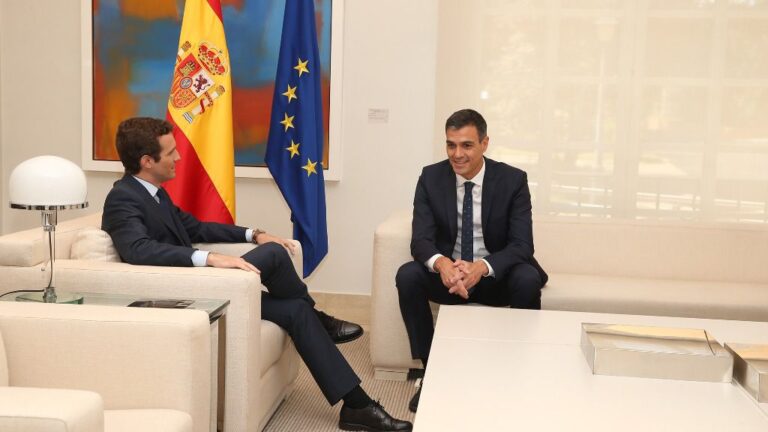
84, 368
260, 362
688, 269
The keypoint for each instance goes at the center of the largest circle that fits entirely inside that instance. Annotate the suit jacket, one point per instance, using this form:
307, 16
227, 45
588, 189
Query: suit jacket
505, 215
147, 233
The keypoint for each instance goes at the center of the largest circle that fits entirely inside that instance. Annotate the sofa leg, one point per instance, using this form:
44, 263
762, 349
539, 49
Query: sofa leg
390, 374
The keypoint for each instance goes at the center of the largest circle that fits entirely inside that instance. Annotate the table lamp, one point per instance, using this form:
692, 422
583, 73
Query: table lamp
48, 184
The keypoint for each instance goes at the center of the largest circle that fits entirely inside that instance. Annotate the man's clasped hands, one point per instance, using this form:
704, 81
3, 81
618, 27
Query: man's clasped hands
460, 276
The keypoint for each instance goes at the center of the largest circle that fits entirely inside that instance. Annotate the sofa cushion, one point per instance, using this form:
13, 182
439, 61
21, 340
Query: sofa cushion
28, 248
50, 410
93, 244
664, 297
165, 420
273, 339
672, 250
23, 248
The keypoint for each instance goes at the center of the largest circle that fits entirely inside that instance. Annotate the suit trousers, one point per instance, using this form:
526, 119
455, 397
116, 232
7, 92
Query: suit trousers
289, 305
417, 286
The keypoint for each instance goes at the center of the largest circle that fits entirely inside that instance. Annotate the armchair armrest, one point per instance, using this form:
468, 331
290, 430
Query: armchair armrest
390, 352
132, 357
50, 410
240, 249
234, 249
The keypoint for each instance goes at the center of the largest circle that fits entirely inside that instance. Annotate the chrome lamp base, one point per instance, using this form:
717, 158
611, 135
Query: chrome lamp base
59, 297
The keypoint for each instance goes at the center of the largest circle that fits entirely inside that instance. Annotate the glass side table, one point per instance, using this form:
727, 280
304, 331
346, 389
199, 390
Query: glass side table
215, 308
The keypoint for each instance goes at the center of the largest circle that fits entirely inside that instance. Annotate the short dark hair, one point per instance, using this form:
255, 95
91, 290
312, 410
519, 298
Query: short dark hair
137, 137
467, 117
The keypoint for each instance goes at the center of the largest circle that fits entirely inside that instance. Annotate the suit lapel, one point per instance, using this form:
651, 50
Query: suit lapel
450, 201
489, 186
169, 213
155, 209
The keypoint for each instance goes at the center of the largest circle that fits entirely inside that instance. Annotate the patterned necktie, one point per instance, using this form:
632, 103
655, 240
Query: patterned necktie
467, 224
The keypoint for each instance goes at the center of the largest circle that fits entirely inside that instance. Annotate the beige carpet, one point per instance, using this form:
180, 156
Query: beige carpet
306, 409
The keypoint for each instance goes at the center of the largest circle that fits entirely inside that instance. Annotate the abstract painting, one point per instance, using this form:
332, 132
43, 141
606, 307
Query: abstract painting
133, 50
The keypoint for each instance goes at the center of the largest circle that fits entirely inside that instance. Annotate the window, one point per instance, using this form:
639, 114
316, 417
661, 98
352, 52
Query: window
640, 109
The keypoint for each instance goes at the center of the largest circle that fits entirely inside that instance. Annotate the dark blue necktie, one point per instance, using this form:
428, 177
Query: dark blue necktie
467, 224
166, 205
162, 199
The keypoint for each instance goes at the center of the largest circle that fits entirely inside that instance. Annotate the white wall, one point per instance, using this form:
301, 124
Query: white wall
389, 62
40, 92
2, 169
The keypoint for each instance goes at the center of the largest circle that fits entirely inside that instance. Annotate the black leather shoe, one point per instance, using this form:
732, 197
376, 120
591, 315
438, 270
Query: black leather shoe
413, 405
371, 418
340, 331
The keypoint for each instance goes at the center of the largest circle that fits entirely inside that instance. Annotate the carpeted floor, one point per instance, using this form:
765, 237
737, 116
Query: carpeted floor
306, 409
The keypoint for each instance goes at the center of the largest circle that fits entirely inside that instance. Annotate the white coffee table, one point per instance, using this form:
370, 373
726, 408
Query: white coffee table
494, 369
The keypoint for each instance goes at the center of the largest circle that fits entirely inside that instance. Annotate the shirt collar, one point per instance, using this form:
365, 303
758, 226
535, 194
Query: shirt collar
477, 179
152, 189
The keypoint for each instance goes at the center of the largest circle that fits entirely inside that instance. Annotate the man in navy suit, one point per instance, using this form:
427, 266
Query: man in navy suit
148, 229
472, 237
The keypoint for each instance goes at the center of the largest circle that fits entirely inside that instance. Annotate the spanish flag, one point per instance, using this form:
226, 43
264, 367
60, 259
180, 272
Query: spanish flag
200, 108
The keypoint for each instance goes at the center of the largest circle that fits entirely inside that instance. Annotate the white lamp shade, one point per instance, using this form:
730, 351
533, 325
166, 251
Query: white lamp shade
47, 182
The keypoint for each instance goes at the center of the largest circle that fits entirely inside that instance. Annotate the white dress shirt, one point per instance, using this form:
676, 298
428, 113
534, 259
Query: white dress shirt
478, 243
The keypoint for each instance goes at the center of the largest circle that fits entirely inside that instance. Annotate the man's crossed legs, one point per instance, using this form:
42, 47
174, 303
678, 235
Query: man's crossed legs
289, 305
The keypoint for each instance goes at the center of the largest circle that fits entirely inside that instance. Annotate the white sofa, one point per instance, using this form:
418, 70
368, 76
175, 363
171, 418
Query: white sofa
682, 269
260, 361
66, 368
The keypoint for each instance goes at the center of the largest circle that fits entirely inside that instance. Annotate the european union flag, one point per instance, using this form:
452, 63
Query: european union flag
295, 146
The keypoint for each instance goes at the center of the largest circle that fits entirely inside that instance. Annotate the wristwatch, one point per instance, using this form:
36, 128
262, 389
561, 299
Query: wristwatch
255, 234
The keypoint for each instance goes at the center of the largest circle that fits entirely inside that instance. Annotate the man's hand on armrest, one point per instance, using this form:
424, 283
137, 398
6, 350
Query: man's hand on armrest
226, 261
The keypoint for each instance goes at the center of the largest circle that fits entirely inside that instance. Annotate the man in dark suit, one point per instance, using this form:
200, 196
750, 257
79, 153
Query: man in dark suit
472, 237
148, 229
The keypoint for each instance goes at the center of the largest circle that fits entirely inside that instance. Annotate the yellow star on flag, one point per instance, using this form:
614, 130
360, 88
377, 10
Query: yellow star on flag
301, 66
290, 93
287, 122
310, 167
293, 148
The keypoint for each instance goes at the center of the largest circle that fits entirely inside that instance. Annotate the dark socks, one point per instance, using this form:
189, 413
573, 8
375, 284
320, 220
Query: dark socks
357, 398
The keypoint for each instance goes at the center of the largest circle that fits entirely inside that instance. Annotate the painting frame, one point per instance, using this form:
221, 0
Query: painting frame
332, 173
